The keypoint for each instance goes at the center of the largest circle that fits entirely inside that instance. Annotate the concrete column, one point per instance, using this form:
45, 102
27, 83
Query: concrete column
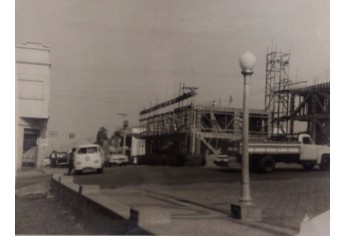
19, 146
41, 152
245, 190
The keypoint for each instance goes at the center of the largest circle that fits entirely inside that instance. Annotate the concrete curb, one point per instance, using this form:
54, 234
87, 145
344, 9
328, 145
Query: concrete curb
101, 214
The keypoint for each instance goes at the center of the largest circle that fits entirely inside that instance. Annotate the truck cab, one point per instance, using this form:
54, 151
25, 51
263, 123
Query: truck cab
312, 154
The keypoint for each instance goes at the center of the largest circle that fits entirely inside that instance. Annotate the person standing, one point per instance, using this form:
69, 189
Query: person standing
53, 156
70, 160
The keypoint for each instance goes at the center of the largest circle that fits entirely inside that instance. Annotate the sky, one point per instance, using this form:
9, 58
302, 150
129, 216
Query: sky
119, 56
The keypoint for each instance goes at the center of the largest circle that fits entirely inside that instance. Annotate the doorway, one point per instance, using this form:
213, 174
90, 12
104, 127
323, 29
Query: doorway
30, 147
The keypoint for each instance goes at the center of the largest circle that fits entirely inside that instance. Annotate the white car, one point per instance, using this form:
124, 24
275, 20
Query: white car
88, 157
117, 159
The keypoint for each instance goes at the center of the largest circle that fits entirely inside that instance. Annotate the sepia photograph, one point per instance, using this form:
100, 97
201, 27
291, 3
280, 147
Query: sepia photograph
184, 117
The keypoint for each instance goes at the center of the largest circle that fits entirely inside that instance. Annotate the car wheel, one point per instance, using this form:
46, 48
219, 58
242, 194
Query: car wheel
100, 170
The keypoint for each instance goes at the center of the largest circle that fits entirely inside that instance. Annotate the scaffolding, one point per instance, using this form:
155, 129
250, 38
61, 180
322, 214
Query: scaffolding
311, 104
277, 82
198, 129
289, 101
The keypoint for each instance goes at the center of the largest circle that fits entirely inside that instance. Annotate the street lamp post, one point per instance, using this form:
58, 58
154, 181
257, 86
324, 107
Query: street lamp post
247, 63
245, 209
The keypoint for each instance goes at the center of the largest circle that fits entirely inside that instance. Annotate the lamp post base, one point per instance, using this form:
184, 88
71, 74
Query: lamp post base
245, 211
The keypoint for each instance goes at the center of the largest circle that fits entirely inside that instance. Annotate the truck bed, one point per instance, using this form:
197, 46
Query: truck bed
274, 148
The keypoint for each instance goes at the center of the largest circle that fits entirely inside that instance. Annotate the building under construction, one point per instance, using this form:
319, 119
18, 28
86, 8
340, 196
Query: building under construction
290, 101
194, 130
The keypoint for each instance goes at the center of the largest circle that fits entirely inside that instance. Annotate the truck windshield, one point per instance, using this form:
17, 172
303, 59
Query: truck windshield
86, 150
307, 140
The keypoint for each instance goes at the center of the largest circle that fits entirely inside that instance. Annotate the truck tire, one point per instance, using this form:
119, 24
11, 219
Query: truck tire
266, 164
325, 162
308, 166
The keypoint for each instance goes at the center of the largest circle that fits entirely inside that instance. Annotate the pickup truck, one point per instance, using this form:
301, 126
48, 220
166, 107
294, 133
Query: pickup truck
264, 155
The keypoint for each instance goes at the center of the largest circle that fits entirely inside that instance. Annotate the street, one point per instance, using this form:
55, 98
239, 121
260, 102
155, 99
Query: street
114, 177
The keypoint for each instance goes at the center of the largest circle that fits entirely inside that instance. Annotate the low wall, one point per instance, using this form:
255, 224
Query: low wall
94, 211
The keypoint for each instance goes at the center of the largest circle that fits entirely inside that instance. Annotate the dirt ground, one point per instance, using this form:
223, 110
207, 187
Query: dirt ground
37, 214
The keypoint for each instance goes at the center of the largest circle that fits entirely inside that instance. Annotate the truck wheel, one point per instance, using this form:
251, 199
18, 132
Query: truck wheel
308, 166
266, 164
325, 163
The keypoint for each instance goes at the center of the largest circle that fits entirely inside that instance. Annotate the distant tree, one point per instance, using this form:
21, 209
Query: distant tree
101, 135
116, 138
116, 134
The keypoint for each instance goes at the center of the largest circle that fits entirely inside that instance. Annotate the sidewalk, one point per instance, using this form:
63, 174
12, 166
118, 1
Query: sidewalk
170, 216
203, 208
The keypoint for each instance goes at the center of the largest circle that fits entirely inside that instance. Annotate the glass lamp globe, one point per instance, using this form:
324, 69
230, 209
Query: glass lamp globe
247, 61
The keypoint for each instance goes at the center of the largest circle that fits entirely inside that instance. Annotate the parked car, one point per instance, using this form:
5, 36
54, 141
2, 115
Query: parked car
59, 159
117, 159
88, 157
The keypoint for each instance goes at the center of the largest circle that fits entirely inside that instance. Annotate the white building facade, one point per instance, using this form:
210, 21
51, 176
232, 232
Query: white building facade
32, 103
137, 144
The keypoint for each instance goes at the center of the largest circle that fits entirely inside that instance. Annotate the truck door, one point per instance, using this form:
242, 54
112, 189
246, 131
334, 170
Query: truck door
309, 150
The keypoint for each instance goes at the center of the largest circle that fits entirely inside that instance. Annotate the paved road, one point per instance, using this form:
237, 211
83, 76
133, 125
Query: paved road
114, 177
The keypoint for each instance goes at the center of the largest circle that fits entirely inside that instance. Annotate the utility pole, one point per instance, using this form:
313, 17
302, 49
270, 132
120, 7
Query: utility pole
125, 125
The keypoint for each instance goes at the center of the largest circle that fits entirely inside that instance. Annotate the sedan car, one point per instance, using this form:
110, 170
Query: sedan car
117, 159
59, 159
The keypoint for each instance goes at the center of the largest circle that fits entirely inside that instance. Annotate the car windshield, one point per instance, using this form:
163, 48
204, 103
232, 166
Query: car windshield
87, 150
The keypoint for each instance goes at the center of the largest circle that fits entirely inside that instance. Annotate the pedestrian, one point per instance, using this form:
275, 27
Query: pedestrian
53, 156
70, 160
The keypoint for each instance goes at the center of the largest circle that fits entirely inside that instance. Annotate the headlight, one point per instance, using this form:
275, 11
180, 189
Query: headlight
78, 163
96, 161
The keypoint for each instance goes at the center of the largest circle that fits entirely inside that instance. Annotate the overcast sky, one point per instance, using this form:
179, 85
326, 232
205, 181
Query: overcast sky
117, 56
